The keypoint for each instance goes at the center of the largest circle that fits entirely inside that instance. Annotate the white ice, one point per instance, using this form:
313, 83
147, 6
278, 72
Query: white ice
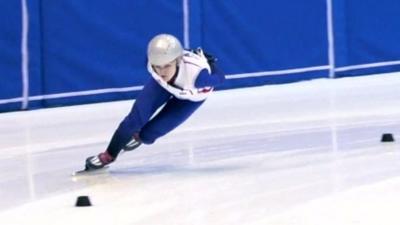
306, 153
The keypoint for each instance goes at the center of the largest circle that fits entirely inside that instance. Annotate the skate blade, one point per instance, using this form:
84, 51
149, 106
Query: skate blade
85, 172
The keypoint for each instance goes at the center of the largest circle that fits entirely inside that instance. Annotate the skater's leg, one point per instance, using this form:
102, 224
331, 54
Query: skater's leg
148, 101
174, 113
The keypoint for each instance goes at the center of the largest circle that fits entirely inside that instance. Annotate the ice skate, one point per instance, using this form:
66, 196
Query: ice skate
99, 161
96, 164
133, 144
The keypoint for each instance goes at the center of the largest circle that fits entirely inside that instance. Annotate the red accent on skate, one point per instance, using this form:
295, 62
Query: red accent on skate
105, 158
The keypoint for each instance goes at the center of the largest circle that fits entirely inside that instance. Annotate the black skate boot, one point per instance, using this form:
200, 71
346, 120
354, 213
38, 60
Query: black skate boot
98, 161
133, 144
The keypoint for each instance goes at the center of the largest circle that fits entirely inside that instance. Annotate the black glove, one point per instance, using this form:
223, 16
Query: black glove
211, 60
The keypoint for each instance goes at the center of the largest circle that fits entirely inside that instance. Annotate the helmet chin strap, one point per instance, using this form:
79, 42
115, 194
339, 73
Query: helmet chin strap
172, 80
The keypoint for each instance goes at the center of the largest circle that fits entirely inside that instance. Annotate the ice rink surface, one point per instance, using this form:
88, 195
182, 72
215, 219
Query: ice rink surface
306, 153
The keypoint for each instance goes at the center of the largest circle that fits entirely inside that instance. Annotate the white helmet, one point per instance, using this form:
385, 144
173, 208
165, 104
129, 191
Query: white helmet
163, 48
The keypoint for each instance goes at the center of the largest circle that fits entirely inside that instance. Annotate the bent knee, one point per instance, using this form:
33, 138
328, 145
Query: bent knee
147, 139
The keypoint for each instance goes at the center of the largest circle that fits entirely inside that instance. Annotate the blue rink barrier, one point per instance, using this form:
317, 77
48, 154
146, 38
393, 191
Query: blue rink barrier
58, 53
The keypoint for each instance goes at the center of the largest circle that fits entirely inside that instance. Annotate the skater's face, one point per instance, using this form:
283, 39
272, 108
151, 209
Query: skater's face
167, 71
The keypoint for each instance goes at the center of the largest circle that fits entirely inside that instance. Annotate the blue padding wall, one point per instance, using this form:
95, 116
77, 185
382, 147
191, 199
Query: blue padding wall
266, 36
95, 50
35, 44
92, 45
10, 55
366, 32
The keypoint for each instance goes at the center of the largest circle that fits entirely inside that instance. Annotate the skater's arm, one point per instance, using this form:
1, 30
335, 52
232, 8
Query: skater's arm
204, 79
